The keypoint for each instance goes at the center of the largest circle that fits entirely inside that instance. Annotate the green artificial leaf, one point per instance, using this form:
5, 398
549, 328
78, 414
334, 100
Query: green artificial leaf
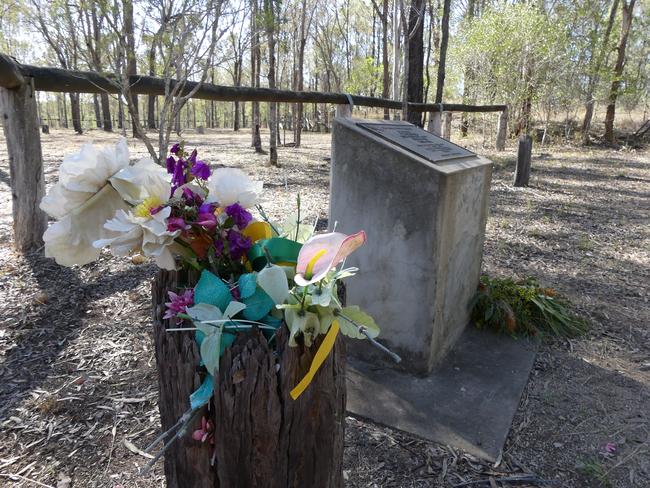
345, 273
326, 317
233, 309
257, 305
212, 290
355, 314
305, 231
203, 394
322, 295
273, 280
204, 311
305, 322
247, 284
227, 338
211, 351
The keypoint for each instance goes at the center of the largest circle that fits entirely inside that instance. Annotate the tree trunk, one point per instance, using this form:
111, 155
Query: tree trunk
106, 111
443, 52
262, 436
415, 62
594, 75
256, 140
269, 9
98, 115
151, 102
76, 113
131, 62
385, 93
626, 24
20, 123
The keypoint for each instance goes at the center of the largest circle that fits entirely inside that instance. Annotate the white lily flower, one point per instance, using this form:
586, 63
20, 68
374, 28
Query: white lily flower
82, 201
131, 181
144, 228
231, 185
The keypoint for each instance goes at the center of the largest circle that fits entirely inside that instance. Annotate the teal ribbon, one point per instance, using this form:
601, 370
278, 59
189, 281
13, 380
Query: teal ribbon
281, 250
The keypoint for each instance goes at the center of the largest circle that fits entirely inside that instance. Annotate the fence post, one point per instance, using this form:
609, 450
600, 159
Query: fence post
446, 125
344, 110
434, 123
22, 135
522, 171
502, 130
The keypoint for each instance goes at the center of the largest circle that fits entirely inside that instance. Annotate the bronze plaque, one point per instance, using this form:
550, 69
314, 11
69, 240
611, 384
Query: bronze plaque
418, 141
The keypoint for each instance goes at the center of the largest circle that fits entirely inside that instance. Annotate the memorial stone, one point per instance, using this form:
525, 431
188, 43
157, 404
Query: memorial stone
423, 202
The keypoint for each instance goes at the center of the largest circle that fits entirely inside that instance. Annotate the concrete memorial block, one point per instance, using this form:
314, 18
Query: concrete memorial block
423, 202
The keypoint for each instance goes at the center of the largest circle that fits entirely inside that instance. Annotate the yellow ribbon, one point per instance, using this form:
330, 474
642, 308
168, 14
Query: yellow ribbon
322, 353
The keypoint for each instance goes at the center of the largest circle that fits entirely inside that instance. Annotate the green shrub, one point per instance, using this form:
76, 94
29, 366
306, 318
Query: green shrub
523, 308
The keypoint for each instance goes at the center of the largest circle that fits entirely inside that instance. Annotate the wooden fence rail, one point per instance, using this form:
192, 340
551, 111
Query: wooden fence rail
19, 82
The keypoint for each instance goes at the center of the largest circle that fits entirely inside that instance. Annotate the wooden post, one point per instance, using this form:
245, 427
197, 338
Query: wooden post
344, 110
435, 124
502, 130
262, 437
446, 125
524, 153
22, 134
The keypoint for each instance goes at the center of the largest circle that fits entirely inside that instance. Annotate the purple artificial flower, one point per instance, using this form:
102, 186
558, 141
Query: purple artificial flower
239, 244
206, 208
178, 177
170, 164
218, 246
239, 215
207, 220
201, 169
175, 148
178, 303
176, 223
192, 198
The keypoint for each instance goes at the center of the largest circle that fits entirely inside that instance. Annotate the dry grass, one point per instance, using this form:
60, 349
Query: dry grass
79, 385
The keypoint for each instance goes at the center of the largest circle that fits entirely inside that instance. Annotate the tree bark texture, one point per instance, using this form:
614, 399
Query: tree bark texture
594, 76
263, 438
415, 62
524, 154
21, 130
626, 24
75, 108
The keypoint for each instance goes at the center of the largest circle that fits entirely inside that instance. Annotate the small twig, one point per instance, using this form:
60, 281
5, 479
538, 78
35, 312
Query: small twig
265, 218
526, 478
362, 329
9, 475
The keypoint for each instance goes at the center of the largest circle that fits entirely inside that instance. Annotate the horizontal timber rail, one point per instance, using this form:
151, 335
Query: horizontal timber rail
13, 74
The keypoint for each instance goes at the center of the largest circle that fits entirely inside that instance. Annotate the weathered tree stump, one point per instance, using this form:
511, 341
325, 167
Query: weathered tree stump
263, 438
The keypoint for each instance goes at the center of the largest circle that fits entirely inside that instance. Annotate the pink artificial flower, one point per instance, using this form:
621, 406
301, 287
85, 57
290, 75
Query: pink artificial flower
205, 432
322, 252
178, 303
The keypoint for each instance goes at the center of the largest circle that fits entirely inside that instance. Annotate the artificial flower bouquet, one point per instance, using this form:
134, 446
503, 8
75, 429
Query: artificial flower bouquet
252, 273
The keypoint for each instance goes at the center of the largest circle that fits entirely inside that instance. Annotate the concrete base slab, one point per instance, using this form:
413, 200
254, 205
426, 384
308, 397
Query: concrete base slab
468, 402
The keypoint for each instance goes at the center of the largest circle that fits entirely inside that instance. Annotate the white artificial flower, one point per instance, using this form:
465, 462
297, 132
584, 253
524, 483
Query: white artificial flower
82, 201
93, 185
144, 228
231, 185
82, 175
69, 240
131, 181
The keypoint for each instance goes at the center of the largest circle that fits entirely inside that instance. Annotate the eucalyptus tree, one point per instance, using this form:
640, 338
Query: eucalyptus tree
55, 22
186, 34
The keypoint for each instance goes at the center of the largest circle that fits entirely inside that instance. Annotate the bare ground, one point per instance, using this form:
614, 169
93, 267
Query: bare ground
78, 385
